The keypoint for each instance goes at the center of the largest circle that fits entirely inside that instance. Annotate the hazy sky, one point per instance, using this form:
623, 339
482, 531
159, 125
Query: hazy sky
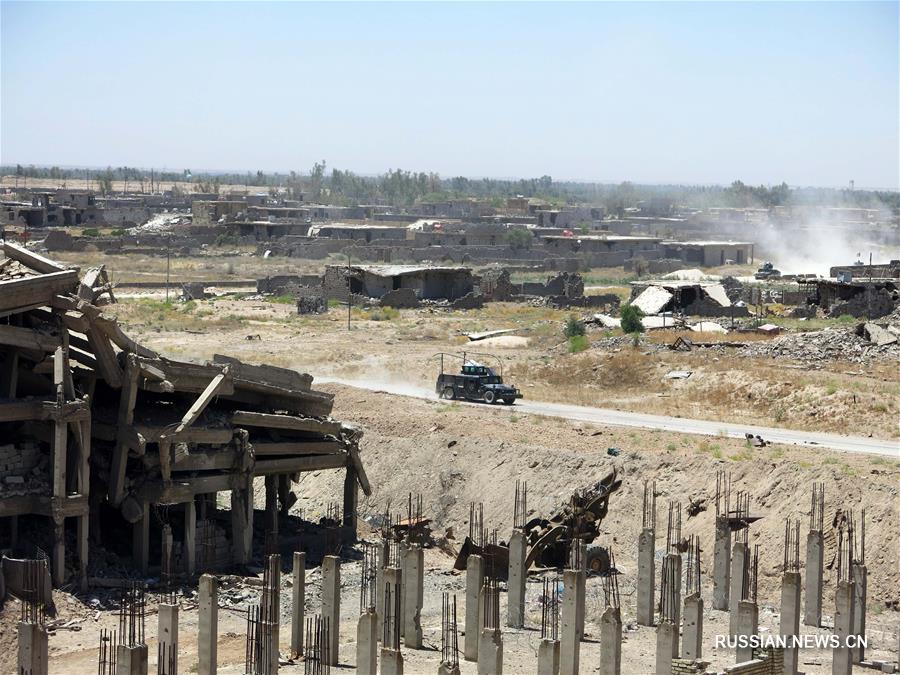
673, 92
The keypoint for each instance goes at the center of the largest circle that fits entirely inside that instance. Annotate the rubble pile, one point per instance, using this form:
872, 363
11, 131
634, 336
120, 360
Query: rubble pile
92, 419
829, 344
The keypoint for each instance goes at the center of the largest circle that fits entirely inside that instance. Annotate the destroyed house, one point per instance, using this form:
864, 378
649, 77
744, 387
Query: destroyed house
358, 232
602, 251
683, 297
102, 437
375, 281
864, 297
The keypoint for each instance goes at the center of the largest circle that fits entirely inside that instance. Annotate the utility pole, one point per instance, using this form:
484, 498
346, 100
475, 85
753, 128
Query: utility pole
349, 294
168, 263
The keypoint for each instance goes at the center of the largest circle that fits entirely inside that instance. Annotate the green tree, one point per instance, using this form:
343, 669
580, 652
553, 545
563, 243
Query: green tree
631, 319
519, 239
573, 326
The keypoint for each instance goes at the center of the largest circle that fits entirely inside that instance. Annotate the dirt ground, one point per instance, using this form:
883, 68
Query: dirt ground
833, 396
454, 455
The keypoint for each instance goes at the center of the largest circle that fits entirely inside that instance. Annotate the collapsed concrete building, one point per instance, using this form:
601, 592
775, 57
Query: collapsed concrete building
101, 435
376, 281
864, 297
684, 297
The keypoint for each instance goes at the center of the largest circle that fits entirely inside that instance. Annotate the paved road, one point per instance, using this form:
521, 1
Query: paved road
860, 444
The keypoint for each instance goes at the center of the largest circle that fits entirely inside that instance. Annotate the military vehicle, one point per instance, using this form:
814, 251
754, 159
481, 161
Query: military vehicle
475, 382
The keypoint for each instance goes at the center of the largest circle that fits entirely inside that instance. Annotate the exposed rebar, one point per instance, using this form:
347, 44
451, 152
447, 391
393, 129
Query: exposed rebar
550, 608
792, 545
521, 505
106, 654
611, 583
449, 634
132, 611
368, 586
490, 604
692, 571
817, 508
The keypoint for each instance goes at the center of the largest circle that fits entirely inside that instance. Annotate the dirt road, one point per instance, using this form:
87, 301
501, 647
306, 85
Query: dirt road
858, 444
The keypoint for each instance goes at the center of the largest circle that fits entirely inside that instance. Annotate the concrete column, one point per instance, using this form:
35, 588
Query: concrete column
692, 639
474, 579
447, 669
190, 538
404, 562
140, 542
859, 575
32, 649
275, 628
790, 618
167, 632
351, 500
842, 659
490, 652
242, 524
83, 527
515, 615
721, 564
298, 611
646, 580
812, 610
367, 644
131, 660
414, 583
748, 625
739, 553
208, 625
675, 580
572, 616
391, 662
379, 584
548, 657
331, 602
611, 642
59, 552
271, 528
393, 578
665, 638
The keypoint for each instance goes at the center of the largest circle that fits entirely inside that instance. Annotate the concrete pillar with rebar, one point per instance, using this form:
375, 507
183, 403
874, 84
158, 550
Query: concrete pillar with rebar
646, 571
414, 585
331, 602
815, 558
611, 641
474, 581
517, 573
572, 614
298, 609
208, 626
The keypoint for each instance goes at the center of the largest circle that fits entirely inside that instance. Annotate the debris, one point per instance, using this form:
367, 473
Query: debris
613, 452
678, 374
876, 334
488, 334
708, 327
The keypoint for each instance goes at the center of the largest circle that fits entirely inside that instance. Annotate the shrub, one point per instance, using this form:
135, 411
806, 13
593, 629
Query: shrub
384, 314
574, 326
631, 319
117, 232
90, 232
519, 239
578, 343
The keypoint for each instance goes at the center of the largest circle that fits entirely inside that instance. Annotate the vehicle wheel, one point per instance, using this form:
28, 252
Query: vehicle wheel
597, 559
448, 393
509, 401
490, 397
